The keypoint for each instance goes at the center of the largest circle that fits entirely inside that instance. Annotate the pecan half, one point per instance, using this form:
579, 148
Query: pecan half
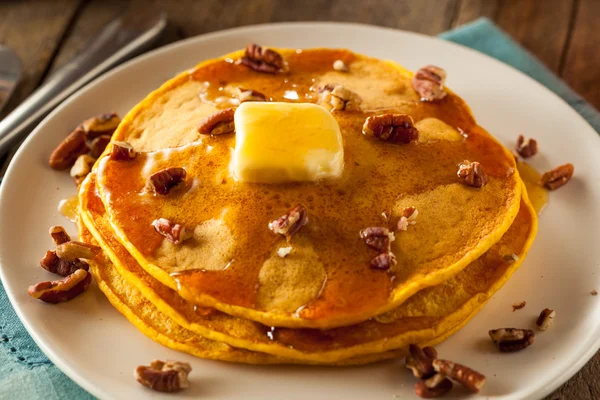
66, 153
340, 65
175, 233
262, 59
378, 238
164, 376
218, 123
557, 177
50, 262
428, 82
244, 95
338, 98
464, 375
164, 180
104, 124
383, 261
546, 319
471, 174
59, 235
518, 306
63, 289
122, 151
392, 128
433, 387
73, 250
82, 167
420, 361
98, 144
289, 224
512, 339
526, 147
409, 217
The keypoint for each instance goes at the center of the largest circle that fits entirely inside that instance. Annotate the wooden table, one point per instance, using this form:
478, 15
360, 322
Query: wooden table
562, 33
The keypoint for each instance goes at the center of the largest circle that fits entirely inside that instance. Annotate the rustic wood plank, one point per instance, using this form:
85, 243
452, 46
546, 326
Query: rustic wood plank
540, 26
470, 10
33, 29
581, 68
584, 385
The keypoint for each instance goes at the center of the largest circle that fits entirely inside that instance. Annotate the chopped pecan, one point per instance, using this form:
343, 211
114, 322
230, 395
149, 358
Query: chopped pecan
409, 217
98, 144
66, 153
53, 264
73, 250
283, 252
104, 124
511, 258
433, 387
518, 306
338, 98
383, 261
378, 238
557, 177
82, 167
594, 292
464, 375
164, 180
471, 174
59, 235
546, 319
340, 65
526, 147
122, 151
512, 339
289, 224
63, 289
164, 376
392, 128
428, 82
420, 361
218, 123
175, 233
244, 95
263, 59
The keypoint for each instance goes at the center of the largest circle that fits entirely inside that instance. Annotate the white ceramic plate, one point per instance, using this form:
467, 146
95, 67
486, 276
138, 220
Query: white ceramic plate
94, 345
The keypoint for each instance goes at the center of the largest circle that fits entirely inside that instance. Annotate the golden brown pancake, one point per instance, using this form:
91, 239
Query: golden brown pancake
231, 262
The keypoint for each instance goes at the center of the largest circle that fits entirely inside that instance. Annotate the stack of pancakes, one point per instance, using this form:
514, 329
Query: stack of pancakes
227, 294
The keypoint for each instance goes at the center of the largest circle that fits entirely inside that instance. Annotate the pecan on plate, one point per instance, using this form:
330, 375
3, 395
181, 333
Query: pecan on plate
98, 144
175, 233
428, 82
378, 238
164, 180
122, 151
546, 319
433, 387
512, 339
464, 375
338, 98
82, 167
557, 177
63, 289
262, 59
383, 261
164, 376
69, 150
218, 123
420, 361
392, 128
59, 235
73, 250
472, 174
101, 125
289, 224
52, 263
518, 306
244, 95
526, 147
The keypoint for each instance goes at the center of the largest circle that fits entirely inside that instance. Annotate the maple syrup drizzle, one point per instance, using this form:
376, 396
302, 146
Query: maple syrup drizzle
538, 195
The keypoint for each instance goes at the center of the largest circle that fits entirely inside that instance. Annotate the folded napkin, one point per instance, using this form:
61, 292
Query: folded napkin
26, 373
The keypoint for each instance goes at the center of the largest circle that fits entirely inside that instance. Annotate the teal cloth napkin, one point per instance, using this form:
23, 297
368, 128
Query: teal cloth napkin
26, 373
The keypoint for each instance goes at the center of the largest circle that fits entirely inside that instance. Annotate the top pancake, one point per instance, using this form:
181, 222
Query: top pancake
231, 262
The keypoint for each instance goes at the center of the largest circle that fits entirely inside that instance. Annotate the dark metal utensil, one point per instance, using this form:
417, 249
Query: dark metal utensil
10, 74
123, 38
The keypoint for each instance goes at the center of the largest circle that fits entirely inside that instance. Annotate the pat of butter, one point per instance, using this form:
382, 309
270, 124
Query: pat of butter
286, 142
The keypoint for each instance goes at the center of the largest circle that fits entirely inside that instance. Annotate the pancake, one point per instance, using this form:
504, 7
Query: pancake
431, 313
231, 264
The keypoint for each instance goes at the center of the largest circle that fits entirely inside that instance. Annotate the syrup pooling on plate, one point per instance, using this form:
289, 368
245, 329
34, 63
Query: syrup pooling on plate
377, 176
538, 195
